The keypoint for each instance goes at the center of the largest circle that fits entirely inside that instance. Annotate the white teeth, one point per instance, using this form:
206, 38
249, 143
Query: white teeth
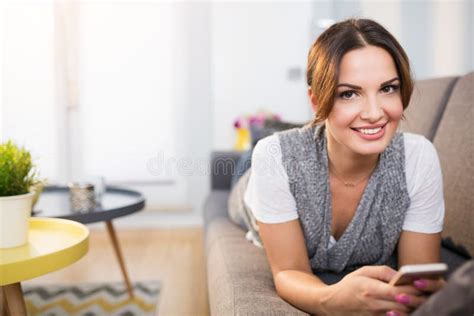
369, 131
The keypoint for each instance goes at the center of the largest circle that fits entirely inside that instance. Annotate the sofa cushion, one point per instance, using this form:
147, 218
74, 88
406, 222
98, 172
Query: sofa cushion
454, 141
452, 259
427, 105
215, 206
240, 214
243, 164
239, 278
235, 205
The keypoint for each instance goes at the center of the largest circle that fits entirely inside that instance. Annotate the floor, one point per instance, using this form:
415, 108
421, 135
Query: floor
174, 256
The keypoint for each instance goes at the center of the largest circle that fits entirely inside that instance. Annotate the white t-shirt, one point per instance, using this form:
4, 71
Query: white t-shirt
269, 198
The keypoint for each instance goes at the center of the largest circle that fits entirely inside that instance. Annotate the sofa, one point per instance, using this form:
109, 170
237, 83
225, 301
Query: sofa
238, 274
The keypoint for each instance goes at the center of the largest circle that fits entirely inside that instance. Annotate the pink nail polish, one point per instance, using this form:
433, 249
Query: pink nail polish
402, 299
421, 284
392, 313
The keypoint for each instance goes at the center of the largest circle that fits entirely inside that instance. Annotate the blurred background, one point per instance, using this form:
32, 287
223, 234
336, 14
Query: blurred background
141, 92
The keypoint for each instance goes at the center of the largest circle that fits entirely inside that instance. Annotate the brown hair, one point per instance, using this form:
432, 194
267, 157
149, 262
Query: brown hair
325, 56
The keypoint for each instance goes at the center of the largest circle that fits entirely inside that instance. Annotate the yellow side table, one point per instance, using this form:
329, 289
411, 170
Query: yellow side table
52, 244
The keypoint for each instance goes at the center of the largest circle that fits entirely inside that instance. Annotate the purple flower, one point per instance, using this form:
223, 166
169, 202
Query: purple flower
237, 123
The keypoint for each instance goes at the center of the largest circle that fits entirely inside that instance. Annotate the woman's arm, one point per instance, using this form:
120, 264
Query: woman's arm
364, 291
286, 252
416, 248
420, 240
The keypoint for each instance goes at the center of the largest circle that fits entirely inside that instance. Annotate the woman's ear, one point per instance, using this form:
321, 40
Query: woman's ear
312, 99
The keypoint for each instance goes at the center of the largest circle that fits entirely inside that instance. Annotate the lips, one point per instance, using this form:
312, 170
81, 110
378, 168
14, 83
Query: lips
370, 129
370, 132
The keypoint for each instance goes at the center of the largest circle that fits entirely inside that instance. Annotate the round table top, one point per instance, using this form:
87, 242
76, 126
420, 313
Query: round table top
116, 202
53, 243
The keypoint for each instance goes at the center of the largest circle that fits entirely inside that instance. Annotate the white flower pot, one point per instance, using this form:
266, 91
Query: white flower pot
14, 214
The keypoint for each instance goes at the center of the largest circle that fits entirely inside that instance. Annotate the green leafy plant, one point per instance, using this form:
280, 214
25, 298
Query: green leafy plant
18, 174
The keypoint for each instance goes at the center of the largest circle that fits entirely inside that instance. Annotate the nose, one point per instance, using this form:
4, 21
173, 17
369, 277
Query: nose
371, 110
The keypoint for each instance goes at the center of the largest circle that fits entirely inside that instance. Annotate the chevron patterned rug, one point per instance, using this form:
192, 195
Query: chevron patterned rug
90, 299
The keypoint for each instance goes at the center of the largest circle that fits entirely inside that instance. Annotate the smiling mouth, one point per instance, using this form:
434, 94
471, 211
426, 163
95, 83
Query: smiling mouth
369, 131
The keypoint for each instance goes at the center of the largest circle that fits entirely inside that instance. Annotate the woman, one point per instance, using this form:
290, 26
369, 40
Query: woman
346, 192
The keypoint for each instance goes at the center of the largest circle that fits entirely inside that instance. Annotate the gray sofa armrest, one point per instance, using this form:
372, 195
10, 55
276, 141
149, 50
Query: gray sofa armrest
215, 206
223, 166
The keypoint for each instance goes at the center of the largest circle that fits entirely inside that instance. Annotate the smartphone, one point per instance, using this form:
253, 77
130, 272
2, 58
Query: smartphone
409, 273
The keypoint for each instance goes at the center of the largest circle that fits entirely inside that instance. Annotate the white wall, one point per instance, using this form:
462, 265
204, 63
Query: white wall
227, 59
453, 37
150, 78
2, 10
194, 100
28, 100
126, 87
470, 13
437, 35
121, 99
254, 45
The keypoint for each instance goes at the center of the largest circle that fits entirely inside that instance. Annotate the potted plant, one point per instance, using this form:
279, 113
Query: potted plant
18, 177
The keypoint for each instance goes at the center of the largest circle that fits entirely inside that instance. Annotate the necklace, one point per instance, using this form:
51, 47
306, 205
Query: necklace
350, 184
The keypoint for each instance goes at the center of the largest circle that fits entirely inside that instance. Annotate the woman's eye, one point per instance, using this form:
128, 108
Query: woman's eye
347, 94
389, 88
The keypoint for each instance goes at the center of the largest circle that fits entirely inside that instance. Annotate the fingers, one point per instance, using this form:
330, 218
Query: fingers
430, 286
382, 306
389, 292
407, 289
382, 273
412, 301
395, 313
406, 295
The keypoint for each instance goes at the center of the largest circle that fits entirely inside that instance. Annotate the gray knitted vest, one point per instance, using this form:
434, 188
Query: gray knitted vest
372, 235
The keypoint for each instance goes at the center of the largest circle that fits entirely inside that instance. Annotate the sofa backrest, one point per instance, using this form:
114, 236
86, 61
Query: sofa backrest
427, 105
454, 141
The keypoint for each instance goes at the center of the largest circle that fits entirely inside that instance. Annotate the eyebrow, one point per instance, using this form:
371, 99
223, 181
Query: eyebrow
359, 88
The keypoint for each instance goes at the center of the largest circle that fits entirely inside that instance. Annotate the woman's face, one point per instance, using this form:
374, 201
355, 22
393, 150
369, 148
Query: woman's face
368, 105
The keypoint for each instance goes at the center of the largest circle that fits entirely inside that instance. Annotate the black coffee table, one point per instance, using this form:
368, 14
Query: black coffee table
116, 202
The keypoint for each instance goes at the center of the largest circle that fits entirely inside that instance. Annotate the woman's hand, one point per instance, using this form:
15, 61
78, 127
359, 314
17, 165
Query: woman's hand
429, 286
366, 292
425, 286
